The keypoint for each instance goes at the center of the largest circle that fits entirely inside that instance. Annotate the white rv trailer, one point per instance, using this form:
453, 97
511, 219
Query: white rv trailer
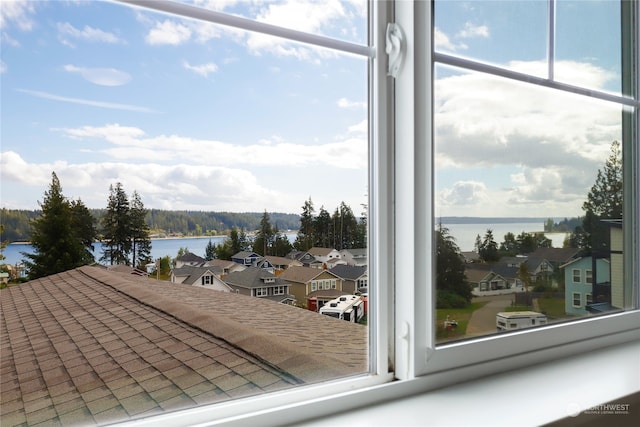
511, 320
346, 307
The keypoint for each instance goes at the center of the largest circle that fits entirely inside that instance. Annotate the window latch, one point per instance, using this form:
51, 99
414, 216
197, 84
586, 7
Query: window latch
394, 47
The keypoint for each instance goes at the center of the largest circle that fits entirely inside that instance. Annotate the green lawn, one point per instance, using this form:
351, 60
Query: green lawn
461, 315
518, 308
552, 307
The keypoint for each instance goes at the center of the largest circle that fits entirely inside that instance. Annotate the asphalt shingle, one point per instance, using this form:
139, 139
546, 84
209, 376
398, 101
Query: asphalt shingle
91, 346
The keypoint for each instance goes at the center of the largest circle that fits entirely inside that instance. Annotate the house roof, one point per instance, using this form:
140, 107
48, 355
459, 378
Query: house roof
318, 251
555, 255
349, 272
278, 260
198, 272
191, 257
221, 263
127, 269
245, 254
357, 252
92, 346
301, 274
252, 277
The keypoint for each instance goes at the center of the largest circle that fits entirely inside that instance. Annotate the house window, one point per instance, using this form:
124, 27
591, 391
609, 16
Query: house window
207, 280
261, 292
588, 277
577, 299
577, 275
588, 299
314, 286
279, 290
333, 284
481, 118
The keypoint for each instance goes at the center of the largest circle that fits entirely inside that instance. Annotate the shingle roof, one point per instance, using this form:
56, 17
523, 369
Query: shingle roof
349, 272
191, 257
90, 346
318, 251
252, 277
301, 274
557, 255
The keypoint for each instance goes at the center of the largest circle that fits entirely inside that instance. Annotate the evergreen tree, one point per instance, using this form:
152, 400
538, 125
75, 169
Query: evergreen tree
305, 239
209, 251
323, 228
345, 226
140, 240
59, 236
264, 240
489, 248
281, 244
604, 201
509, 246
116, 225
360, 237
452, 287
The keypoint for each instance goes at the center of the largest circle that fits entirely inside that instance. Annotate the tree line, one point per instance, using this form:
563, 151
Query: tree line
340, 230
161, 222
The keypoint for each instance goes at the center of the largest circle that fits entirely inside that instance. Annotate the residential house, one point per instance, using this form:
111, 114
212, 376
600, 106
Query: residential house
225, 266
282, 263
483, 279
555, 256
189, 259
312, 283
355, 256
470, 256
245, 258
324, 254
540, 269
92, 347
333, 262
207, 277
309, 260
261, 283
354, 278
579, 283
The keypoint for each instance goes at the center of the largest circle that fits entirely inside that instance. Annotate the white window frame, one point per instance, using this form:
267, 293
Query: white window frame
401, 298
416, 350
576, 296
588, 277
578, 276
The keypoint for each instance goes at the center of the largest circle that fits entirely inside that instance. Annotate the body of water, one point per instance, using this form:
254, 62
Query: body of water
159, 248
465, 235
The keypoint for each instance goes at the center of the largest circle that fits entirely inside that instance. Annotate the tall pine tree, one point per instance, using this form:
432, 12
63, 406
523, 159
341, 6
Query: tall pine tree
116, 227
140, 241
61, 236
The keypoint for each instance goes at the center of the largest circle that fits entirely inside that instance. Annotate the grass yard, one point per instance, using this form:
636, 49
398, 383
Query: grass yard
461, 315
518, 308
552, 307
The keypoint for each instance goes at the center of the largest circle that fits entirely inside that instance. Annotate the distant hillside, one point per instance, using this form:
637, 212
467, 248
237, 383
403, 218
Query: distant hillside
487, 220
186, 223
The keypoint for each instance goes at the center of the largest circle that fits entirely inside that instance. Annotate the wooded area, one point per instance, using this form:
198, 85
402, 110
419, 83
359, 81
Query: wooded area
186, 223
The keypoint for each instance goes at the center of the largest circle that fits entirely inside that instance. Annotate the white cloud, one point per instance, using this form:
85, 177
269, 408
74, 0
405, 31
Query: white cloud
17, 12
168, 32
204, 69
464, 193
361, 128
131, 142
345, 103
443, 42
472, 31
557, 140
87, 33
89, 102
161, 186
101, 76
3, 67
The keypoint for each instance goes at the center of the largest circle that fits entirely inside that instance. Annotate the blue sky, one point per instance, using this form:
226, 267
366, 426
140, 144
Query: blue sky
198, 116
189, 114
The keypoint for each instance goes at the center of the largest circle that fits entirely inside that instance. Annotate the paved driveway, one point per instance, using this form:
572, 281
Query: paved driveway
483, 320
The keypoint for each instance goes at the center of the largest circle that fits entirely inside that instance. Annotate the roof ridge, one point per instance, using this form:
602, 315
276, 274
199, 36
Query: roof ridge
291, 360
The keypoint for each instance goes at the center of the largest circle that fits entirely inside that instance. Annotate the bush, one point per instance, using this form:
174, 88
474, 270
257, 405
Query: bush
446, 299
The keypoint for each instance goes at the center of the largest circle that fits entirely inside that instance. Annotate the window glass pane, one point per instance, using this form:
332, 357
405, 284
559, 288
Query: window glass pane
333, 18
588, 44
528, 186
101, 93
509, 34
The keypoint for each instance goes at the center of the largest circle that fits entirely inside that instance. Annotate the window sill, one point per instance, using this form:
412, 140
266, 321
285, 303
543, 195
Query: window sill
535, 396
